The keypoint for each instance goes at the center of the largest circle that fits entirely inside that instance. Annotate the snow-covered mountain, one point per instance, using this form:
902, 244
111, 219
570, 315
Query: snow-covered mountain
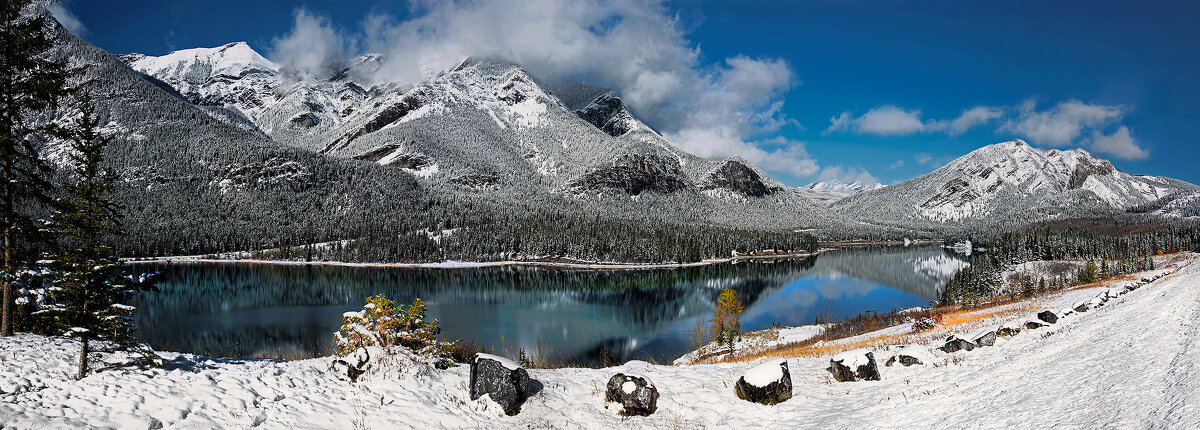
1012, 181
840, 187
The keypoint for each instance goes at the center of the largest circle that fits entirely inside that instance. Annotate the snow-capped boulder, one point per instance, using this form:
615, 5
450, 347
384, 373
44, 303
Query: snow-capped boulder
1064, 312
635, 393
1009, 329
1048, 316
768, 383
1080, 307
854, 365
1035, 323
984, 337
911, 355
1097, 301
353, 365
955, 344
505, 382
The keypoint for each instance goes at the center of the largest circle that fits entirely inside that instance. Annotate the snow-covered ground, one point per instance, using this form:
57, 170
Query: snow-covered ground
1129, 364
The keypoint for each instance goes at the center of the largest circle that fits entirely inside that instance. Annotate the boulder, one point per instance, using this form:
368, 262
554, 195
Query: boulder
1035, 323
955, 344
502, 380
353, 365
985, 337
909, 356
1064, 312
1048, 316
1080, 307
856, 365
1009, 329
635, 393
768, 383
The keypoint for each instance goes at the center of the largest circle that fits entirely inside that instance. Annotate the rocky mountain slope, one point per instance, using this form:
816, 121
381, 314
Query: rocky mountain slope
1011, 182
840, 187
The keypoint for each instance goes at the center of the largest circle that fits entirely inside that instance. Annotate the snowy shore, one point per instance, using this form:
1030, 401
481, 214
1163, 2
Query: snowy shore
1128, 364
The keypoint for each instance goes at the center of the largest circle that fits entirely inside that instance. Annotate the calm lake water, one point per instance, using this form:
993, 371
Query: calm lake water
281, 310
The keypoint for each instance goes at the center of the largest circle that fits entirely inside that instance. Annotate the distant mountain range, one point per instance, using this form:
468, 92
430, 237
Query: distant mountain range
234, 140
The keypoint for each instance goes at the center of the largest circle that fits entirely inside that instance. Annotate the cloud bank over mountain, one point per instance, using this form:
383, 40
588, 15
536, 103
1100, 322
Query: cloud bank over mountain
722, 108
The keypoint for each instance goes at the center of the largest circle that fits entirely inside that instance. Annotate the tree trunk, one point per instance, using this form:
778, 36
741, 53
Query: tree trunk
6, 321
83, 357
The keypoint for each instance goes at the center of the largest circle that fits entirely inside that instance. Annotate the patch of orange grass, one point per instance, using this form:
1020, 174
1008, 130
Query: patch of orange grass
950, 320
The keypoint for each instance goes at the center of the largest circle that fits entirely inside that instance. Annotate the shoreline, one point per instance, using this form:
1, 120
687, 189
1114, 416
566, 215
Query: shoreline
455, 264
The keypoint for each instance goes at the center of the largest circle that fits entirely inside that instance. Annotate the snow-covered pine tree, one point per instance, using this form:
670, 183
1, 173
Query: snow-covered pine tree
29, 82
92, 280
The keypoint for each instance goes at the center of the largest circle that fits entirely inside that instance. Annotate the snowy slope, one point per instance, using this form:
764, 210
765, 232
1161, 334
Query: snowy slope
1129, 364
1012, 181
836, 186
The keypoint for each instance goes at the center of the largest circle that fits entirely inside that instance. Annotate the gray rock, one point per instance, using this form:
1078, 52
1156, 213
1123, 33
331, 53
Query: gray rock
506, 383
636, 394
1032, 324
1048, 316
986, 338
955, 344
776, 391
847, 367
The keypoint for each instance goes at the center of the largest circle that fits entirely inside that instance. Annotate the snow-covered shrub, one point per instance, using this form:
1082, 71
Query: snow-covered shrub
383, 323
926, 323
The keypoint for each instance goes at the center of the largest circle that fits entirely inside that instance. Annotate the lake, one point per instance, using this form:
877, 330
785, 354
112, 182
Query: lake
266, 310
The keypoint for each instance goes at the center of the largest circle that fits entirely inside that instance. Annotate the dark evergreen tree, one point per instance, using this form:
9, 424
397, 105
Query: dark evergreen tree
29, 82
91, 277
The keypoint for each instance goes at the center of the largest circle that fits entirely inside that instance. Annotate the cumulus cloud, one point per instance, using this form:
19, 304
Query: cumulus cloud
67, 18
848, 175
785, 155
711, 108
885, 120
891, 120
969, 119
312, 47
1062, 124
1119, 144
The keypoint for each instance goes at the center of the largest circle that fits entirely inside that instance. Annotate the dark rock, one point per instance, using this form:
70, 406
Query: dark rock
984, 338
1032, 324
306, 120
736, 176
908, 356
1086, 168
635, 174
955, 344
353, 365
854, 366
504, 381
766, 392
1008, 330
607, 112
1081, 307
476, 180
1048, 316
636, 394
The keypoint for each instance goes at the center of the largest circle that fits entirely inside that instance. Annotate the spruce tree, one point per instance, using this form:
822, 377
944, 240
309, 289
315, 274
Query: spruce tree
29, 83
92, 278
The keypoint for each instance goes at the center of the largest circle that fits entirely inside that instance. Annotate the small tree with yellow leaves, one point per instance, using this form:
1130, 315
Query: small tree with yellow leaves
382, 323
726, 322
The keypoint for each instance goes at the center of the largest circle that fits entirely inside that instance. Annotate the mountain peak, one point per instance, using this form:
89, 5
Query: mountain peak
841, 187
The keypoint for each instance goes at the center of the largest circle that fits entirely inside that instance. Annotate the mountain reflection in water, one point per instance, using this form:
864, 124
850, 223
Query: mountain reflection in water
241, 309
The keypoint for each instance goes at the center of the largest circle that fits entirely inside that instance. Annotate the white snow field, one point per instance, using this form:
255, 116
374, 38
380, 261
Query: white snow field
1131, 363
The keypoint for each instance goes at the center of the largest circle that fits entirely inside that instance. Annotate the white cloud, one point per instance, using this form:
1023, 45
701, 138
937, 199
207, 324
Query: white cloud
969, 119
885, 120
848, 175
67, 18
639, 48
1061, 125
789, 156
898, 164
923, 158
312, 47
1119, 144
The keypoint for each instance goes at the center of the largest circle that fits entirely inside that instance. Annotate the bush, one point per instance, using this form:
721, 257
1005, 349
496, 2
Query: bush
383, 324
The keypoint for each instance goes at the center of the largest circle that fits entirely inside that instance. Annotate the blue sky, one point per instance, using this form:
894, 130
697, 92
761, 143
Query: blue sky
806, 89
